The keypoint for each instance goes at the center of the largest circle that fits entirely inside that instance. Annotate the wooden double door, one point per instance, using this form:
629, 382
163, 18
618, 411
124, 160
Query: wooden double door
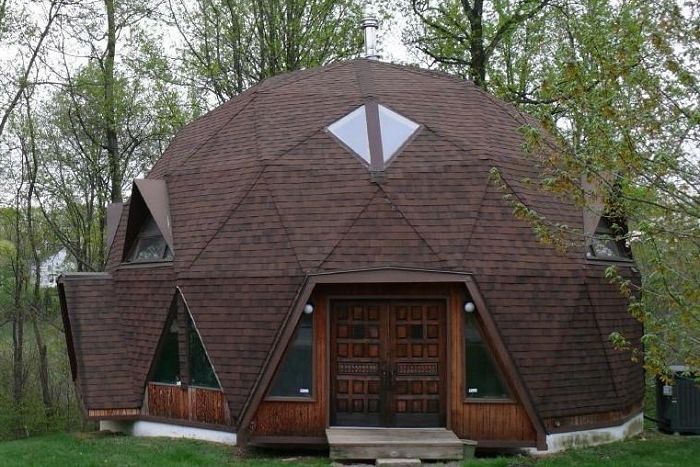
388, 363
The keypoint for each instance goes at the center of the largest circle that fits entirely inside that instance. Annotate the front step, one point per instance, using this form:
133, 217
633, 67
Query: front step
394, 443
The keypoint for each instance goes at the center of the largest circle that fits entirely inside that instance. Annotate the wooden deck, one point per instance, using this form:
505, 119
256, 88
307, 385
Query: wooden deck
396, 443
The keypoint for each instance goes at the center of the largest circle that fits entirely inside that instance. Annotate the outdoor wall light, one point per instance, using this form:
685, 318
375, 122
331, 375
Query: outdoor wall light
469, 307
308, 308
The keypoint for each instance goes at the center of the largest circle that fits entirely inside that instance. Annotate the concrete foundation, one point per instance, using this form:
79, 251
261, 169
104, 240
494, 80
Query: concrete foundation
557, 442
147, 428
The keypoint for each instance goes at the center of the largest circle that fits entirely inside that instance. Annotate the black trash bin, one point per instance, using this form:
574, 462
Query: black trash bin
678, 404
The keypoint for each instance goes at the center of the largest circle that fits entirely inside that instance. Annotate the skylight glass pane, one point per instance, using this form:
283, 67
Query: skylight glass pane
352, 131
395, 129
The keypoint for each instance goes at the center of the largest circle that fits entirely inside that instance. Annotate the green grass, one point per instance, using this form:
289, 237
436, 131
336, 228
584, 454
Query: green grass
91, 450
652, 449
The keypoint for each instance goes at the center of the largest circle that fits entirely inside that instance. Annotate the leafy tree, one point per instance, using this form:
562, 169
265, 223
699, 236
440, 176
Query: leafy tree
617, 84
107, 119
230, 45
77, 175
462, 36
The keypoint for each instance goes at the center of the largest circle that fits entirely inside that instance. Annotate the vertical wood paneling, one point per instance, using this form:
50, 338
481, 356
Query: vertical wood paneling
301, 417
486, 421
469, 420
107, 413
187, 403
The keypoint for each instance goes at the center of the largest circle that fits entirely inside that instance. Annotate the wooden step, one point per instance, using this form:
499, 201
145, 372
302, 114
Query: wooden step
396, 443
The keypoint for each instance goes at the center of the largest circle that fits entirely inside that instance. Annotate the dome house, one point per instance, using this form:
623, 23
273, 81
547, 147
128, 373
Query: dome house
329, 250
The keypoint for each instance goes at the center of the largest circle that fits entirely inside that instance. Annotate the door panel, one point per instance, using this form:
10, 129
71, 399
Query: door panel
388, 360
359, 355
417, 362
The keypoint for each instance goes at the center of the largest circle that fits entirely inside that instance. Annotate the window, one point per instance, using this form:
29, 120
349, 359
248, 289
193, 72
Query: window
352, 131
167, 366
149, 244
182, 335
394, 130
201, 371
606, 242
294, 376
483, 380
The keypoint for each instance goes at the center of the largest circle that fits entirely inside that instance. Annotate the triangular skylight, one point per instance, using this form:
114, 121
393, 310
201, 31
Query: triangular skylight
395, 130
356, 131
352, 131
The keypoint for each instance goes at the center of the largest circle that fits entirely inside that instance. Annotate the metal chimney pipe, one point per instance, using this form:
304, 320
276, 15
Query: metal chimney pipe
369, 26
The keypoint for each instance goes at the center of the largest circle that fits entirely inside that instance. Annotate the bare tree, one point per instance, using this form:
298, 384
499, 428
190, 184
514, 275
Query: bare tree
21, 80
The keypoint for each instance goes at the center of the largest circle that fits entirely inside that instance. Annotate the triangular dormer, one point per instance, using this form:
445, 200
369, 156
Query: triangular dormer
604, 224
148, 232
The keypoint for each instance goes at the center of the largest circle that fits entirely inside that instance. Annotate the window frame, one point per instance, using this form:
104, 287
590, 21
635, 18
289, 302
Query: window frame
312, 396
185, 374
466, 398
374, 130
604, 233
168, 254
170, 320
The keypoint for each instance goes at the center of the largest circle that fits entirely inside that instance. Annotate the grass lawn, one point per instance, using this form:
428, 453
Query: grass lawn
652, 449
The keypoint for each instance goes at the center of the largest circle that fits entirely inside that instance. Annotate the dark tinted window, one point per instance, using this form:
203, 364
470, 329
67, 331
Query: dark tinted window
201, 371
295, 374
483, 378
167, 366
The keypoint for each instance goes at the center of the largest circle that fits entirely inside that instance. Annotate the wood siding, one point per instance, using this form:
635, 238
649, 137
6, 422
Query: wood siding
112, 413
481, 420
186, 403
590, 421
301, 417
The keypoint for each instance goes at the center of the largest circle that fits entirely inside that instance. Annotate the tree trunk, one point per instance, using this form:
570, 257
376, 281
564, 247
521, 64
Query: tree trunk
112, 143
18, 373
46, 396
17, 353
477, 59
31, 168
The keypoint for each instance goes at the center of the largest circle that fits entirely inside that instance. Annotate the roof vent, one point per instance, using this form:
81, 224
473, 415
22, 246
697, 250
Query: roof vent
369, 26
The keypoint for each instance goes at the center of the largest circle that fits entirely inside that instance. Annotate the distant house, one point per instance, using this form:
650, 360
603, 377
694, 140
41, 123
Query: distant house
328, 250
54, 266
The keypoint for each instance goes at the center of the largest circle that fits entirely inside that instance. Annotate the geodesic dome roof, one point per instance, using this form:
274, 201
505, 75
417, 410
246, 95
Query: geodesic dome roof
361, 165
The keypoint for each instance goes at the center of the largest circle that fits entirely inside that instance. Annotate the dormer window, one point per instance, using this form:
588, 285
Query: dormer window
607, 242
148, 237
149, 244
374, 133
